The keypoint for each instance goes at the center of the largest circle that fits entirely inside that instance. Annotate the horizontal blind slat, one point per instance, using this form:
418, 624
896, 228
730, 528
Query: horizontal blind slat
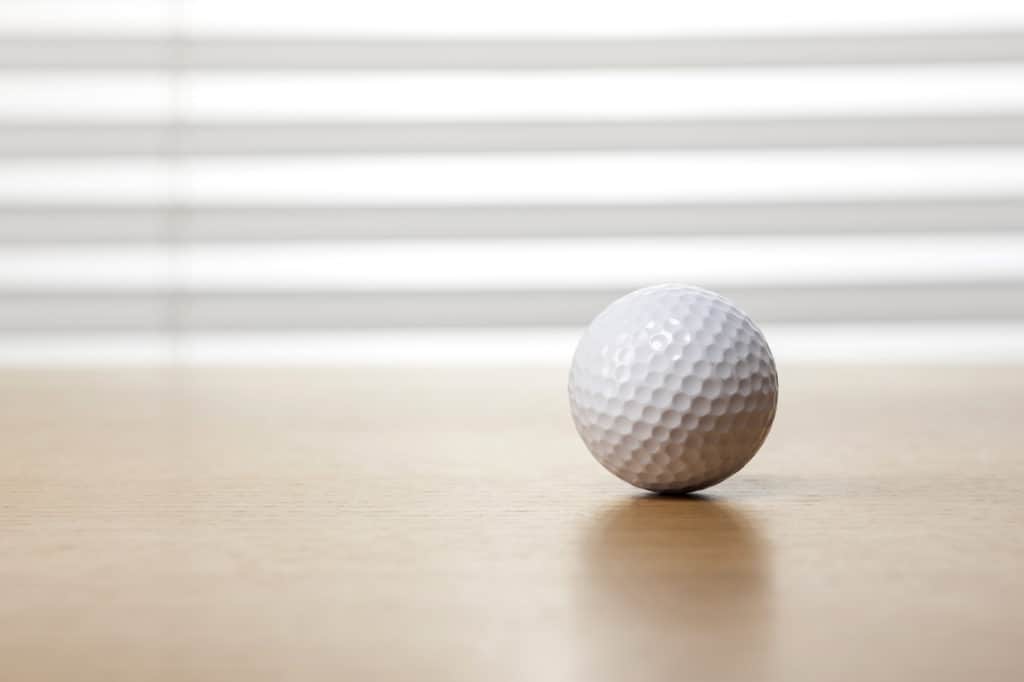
81, 312
43, 223
489, 265
596, 96
73, 53
445, 137
734, 176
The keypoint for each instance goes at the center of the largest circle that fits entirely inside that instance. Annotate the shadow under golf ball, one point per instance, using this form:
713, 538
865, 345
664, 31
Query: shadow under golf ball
673, 585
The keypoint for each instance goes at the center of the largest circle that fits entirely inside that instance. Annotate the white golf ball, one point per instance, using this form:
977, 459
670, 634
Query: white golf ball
673, 388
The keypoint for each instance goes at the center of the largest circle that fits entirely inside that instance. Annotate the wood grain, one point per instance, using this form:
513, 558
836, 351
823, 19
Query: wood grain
448, 525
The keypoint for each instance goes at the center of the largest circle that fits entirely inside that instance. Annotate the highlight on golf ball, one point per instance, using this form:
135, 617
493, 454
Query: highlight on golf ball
673, 388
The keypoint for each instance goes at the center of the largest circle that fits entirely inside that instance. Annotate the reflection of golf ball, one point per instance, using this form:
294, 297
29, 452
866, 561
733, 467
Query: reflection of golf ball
673, 388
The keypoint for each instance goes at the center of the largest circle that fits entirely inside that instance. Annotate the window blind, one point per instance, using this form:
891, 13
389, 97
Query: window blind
463, 181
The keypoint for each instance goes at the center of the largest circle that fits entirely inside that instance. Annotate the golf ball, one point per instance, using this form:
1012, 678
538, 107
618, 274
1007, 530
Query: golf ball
673, 388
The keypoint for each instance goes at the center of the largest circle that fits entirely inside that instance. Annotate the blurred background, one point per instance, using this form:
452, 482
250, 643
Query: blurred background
465, 182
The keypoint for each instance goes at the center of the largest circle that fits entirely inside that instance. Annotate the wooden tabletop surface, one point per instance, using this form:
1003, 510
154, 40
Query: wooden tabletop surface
439, 524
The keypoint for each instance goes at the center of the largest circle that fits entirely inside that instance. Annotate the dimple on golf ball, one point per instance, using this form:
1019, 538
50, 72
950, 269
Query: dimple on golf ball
673, 388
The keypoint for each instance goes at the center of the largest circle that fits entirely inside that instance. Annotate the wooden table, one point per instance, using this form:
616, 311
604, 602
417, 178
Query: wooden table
370, 524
